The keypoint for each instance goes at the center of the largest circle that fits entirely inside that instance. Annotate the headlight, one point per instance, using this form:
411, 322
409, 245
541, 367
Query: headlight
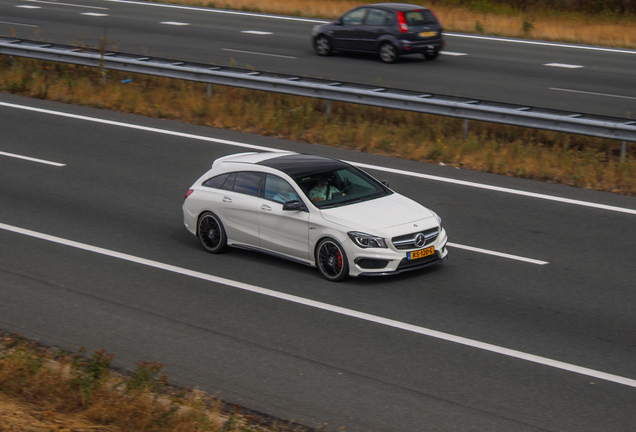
366, 241
439, 219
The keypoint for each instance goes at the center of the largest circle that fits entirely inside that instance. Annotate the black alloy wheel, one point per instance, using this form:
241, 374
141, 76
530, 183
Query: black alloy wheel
332, 260
388, 53
322, 45
211, 233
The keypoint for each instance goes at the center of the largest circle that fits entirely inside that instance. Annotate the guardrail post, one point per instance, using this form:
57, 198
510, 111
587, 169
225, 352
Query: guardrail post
328, 109
209, 91
465, 129
623, 151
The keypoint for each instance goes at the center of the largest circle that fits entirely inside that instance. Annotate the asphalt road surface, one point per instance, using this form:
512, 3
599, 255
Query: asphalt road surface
575, 78
529, 326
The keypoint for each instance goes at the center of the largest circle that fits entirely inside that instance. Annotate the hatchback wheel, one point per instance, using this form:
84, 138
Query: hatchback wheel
322, 45
430, 55
211, 233
388, 53
332, 260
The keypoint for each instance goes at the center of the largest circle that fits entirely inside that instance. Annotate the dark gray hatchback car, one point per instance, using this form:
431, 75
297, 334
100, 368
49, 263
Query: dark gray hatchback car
388, 29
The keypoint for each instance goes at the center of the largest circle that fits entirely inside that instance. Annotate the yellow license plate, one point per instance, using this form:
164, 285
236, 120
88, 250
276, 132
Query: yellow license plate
428, 34
421, 253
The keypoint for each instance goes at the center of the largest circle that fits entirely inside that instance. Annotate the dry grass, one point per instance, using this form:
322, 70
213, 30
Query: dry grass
605, 29
45, 391
548, 156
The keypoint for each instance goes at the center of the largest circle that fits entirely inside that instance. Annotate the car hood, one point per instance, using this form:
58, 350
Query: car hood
378, 214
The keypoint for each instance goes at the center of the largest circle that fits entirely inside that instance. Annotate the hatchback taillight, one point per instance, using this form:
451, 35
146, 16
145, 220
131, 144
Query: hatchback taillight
188, 193
404, 28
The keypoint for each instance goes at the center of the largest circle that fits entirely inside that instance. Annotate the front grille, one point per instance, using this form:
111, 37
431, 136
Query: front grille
408, 241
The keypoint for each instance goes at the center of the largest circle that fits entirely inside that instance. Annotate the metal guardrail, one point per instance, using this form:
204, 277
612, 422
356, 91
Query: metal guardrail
539, 118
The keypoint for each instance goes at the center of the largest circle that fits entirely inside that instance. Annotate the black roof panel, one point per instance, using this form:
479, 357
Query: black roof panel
302, 165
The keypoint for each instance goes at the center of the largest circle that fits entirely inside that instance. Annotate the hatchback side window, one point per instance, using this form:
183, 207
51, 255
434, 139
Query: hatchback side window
248, 182
216, 182
354, 17
229, 183
223, 181
377, 17
277, 189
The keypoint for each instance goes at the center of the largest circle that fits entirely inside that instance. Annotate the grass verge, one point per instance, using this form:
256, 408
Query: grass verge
574, 160
45, 390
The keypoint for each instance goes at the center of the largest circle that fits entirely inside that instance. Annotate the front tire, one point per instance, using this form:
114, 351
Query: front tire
211, 233
388, 53
331, 260
322, 45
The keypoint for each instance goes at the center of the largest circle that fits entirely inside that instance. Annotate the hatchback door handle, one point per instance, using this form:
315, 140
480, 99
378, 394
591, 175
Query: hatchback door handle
265, 207
227, 199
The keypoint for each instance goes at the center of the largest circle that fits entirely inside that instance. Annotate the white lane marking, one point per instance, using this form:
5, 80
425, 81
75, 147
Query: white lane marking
563, 65
541, 43
257, 53
18, 24
28, 7
449, 53
95, 14
329, 307
498, 254
361, 165
593, 93
67, 4
42, 161
221, 11
498, 189
256, 32
175, 23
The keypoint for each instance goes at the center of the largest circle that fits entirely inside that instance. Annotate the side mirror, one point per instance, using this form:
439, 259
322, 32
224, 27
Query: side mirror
294, 205
338, 21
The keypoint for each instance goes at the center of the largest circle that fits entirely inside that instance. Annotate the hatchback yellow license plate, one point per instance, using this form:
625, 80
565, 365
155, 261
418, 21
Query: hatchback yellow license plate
428, 34
421, 253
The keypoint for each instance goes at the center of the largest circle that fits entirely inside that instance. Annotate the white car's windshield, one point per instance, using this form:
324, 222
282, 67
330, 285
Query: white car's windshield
341, 187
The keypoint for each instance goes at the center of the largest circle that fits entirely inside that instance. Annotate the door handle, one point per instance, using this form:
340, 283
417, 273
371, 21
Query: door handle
227, 199
266, 207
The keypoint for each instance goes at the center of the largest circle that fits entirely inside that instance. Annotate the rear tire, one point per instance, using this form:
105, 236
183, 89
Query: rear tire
431, 55
211, 233
322, 45
388, 53
331, 260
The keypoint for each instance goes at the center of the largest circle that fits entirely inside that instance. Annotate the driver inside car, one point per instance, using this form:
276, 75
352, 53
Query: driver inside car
323, 190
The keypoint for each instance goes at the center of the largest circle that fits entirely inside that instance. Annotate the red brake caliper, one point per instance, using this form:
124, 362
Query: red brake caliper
339, 260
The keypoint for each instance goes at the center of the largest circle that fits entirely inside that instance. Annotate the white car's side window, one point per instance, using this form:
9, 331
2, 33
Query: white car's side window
277, 189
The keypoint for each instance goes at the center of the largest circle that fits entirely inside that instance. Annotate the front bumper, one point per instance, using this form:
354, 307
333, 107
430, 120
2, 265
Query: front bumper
381, 262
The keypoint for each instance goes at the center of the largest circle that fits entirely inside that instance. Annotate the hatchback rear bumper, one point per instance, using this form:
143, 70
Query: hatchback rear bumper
419, 47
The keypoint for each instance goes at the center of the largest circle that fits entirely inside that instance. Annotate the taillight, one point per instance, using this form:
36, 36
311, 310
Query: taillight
189, 193
404, 28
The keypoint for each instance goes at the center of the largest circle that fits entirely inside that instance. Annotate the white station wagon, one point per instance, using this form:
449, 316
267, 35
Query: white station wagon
315, 210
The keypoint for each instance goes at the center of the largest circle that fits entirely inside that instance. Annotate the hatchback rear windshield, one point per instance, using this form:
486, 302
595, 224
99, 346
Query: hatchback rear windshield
420, 17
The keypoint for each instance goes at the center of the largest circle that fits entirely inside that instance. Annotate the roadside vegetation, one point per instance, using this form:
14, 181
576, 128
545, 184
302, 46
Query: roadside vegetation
46, 390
